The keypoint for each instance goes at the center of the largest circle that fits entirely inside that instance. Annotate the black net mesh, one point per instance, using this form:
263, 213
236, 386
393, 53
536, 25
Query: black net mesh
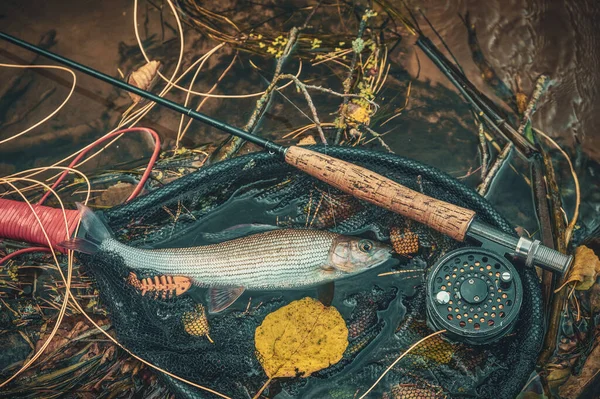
385, 315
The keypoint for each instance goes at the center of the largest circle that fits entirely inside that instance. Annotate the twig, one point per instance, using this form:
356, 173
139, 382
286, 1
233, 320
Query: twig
485, 154
309, 101
348, 81
483, 187
265, 385
540, 87
335, 93
233, 143
377, 136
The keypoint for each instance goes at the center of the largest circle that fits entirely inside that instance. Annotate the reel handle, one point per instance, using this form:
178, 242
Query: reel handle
367, 185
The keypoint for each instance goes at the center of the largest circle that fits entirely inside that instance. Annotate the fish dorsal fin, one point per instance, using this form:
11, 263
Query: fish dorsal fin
238, 231
221, 298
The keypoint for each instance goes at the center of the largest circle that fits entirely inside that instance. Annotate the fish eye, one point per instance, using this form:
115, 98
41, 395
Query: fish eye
365, 245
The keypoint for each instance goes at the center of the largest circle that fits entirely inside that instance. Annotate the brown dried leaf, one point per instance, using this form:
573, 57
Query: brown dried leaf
585, 269
577, 383
116, 194
143, 78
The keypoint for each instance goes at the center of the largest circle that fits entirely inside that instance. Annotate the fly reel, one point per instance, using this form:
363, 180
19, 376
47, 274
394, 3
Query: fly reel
474, 294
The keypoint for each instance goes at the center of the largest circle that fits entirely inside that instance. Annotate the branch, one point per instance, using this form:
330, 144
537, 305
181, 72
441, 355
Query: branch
483, 187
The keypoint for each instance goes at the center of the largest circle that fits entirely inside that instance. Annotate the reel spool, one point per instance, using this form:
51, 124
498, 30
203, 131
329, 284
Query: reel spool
475, 295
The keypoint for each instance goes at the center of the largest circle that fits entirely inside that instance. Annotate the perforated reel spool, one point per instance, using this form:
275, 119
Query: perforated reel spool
475, 295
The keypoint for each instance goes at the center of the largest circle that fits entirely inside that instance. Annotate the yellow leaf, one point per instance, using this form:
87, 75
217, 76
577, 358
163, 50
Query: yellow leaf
301, 338
308, 140
557, 376
585, 268
359, 114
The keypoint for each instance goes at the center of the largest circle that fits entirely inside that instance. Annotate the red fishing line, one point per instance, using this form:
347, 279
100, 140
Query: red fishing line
18, 223
101, 140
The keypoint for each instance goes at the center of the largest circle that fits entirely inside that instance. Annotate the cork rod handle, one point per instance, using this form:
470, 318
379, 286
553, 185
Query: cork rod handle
364, 184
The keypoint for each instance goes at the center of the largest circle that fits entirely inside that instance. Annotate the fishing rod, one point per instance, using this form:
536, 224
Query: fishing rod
482, 105
457, 222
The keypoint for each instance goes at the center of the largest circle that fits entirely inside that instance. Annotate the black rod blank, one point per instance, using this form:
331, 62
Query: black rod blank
267, 144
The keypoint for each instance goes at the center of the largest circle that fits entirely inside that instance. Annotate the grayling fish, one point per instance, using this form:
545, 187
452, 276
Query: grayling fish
272, 260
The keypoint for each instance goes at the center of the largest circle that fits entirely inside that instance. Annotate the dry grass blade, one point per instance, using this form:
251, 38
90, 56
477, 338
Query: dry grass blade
571, 225
400, 358
14, 136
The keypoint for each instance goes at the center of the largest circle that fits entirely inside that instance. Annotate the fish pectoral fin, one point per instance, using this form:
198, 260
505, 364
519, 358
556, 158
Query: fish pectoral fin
221, 298
326, 292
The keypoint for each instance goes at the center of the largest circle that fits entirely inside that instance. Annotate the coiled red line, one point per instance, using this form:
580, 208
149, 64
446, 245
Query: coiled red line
18, 222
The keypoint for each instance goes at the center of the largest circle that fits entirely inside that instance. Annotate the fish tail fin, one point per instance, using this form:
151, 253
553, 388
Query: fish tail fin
95, 233
80, 245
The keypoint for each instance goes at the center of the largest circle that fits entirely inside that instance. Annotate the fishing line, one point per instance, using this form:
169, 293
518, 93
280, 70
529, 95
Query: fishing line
119, 133
187, 95
53, 112
68, 294
215, 85
391, 366
66, 280
170, 81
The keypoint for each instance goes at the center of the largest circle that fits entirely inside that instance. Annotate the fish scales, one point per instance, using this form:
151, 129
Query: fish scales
274, 259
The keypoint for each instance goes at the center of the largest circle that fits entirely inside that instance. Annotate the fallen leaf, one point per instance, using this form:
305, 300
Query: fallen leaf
585, 269
143, 78
299, 339
576, 384
359, 114
308, 140
557, 376
115, 194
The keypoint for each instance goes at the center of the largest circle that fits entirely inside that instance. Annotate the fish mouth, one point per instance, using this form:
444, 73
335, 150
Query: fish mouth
382, 256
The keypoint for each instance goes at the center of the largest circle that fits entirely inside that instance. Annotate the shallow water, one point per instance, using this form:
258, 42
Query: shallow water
519, 39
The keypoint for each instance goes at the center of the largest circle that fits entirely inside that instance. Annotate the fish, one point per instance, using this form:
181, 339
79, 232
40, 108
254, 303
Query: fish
277, 259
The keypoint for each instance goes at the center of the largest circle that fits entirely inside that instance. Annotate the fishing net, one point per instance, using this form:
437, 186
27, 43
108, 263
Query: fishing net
385, 315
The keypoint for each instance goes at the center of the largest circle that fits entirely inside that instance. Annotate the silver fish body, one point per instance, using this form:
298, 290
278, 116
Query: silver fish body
271, 260
277, 259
